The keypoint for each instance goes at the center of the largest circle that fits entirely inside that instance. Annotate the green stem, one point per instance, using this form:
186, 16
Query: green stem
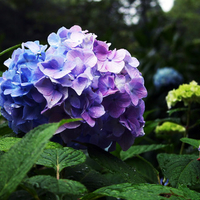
9, 49
186, 128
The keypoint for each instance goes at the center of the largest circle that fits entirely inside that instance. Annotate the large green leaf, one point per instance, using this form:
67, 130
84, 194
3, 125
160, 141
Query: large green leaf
145, 168
5, 130
114, 164
90, 177
138, 149
59, 187
180, 169
143, 191
20, 158
171, 111
61, 157
53, 145
7, 142
191, 141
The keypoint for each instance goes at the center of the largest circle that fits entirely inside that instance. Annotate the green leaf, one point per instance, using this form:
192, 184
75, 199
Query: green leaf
150, 126
176, 110
180, 169
114, 164
145, 168
146, 113
138, 149
7, 142
53, 145
61, 157
10, 49
190, 141
143, 191
20, 194
59, 187
20, 158
91, 178
5, 130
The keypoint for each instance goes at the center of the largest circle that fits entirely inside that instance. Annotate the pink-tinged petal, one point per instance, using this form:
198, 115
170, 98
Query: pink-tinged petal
71, 55
119, 55
111, 54
133, 72
68, 66
86, 56
131, 61
134, 62
96, 111
115, 67
101, 66
90, 58
75, 28
120, 81
88, 119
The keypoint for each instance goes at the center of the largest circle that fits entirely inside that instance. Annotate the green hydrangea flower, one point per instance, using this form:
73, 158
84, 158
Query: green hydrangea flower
187, 93
169, 127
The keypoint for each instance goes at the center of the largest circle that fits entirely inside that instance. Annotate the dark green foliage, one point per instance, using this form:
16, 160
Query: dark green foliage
181, 169
33, 168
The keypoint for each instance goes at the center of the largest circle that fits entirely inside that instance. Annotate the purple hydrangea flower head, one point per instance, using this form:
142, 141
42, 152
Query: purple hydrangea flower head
77, 76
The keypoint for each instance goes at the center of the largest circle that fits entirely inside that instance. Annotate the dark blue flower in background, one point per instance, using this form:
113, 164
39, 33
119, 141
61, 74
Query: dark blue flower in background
167, 76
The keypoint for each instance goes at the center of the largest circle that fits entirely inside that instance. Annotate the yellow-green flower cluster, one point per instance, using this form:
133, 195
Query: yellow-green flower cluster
187, 93
169, 127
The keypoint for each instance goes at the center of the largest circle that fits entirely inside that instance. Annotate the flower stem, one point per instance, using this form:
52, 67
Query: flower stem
186, 128
10, 49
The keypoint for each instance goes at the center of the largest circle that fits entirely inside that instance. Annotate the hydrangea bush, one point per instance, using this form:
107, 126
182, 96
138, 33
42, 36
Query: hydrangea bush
77, 76
89, 96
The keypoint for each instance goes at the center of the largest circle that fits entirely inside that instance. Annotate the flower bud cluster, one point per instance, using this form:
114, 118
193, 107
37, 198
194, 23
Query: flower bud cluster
78, 76
186, 93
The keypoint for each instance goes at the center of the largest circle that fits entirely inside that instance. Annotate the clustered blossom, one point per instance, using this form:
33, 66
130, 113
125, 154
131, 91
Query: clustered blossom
78, 76
166, 77
186, 93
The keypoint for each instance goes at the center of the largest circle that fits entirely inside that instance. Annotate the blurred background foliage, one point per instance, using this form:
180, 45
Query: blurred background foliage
157, 39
